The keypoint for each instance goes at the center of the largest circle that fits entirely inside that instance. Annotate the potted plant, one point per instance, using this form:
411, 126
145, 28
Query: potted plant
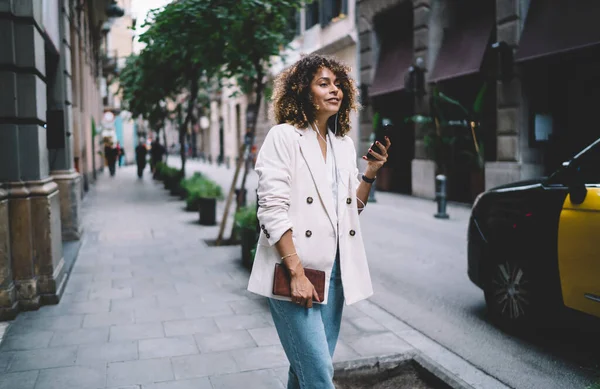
172, 178
190, 186
443, 134
208, 193
245, 223
158, 171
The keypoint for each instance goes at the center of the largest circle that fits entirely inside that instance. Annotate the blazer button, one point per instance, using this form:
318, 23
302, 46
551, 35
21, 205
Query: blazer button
309, 200
262, 226
308, 233
348, 200
268, 236
352, 233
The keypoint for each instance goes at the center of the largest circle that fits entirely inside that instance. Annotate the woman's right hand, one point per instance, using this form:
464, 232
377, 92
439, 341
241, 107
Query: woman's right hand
303, 291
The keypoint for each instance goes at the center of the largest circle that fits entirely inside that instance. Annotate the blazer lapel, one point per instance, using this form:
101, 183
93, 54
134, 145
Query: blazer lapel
309, 146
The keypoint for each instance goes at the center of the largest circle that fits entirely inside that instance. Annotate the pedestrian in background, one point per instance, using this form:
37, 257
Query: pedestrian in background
141, 153
120, 153
111, 158
309, 197
157, 151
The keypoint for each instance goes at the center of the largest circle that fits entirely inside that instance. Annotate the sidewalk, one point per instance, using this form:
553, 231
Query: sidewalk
150, 306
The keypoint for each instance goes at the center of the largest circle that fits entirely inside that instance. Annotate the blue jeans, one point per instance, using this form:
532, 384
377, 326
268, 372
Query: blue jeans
309, 336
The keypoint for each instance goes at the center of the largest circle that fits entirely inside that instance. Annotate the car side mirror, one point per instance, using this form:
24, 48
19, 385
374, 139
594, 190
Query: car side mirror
577, 189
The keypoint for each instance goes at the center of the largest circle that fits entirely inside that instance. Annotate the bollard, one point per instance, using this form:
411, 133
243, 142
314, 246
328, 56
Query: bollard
440, 196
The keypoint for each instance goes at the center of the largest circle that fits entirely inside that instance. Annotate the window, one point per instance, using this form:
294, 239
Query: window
312, 14
331, 10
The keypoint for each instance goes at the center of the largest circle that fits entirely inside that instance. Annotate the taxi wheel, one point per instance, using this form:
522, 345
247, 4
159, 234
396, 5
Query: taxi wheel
510, 294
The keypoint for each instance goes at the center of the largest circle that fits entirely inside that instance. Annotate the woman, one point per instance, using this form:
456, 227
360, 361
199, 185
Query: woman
309, 197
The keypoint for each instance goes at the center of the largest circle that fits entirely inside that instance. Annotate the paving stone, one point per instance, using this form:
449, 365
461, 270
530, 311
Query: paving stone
132, 304
26, 341
367, 324
73, 377
158, 314
265, 336
203, 365
110, 293
136, 331
108, 319
282, 374
5, 358
139, 372
80, 336
197, 383
241, 322
343, 352
379, 345
21, 380
110, 352
54, 323
260, 358
263, 379
191, 327
43, 358
78, 308
250, 306
224, 341
206, 309
167, 347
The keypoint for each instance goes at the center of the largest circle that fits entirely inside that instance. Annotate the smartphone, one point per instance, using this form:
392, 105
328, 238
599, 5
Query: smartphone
387, 126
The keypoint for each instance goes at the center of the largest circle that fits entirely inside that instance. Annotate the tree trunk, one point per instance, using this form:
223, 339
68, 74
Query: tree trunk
188, 117
260, 86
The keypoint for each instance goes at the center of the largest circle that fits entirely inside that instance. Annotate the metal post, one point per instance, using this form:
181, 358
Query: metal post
440, 196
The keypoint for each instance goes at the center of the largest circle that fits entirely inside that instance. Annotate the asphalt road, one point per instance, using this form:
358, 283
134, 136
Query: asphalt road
418, 265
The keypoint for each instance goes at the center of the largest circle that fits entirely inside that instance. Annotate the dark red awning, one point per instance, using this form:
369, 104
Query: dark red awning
558, 26
463, 48
394, 60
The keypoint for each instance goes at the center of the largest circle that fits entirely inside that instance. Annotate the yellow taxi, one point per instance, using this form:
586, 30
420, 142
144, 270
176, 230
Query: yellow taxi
534, 246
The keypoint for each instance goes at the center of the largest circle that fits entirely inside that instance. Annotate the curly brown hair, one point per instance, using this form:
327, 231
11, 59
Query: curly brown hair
292, 100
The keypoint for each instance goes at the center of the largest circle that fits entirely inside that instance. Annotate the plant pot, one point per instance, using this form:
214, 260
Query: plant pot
176, 189
183, 193
193, 206
207, 207
248, 239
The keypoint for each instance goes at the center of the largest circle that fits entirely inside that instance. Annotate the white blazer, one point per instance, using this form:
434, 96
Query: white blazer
294, 192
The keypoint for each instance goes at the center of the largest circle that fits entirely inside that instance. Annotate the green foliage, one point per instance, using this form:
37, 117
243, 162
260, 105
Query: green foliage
192, 181
443, 135
594, 386
192, 43
245, 217
202, 187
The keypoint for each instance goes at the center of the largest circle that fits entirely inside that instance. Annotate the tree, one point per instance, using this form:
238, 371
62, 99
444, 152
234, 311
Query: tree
176, 42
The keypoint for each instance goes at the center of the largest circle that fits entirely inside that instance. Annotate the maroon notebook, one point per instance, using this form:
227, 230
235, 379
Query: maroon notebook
281, 281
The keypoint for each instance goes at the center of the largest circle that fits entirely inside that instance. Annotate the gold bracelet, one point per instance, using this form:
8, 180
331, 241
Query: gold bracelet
287, 256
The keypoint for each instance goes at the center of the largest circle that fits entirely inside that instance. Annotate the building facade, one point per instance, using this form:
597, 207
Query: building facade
49, 106
511, 64
118, 124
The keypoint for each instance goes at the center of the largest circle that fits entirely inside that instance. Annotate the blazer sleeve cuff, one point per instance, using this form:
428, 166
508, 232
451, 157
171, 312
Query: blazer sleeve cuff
273, 233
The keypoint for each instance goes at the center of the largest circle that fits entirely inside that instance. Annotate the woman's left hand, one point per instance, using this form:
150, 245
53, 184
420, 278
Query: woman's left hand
380, 158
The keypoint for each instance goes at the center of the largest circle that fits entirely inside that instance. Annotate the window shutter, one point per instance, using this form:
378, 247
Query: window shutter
326, 12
